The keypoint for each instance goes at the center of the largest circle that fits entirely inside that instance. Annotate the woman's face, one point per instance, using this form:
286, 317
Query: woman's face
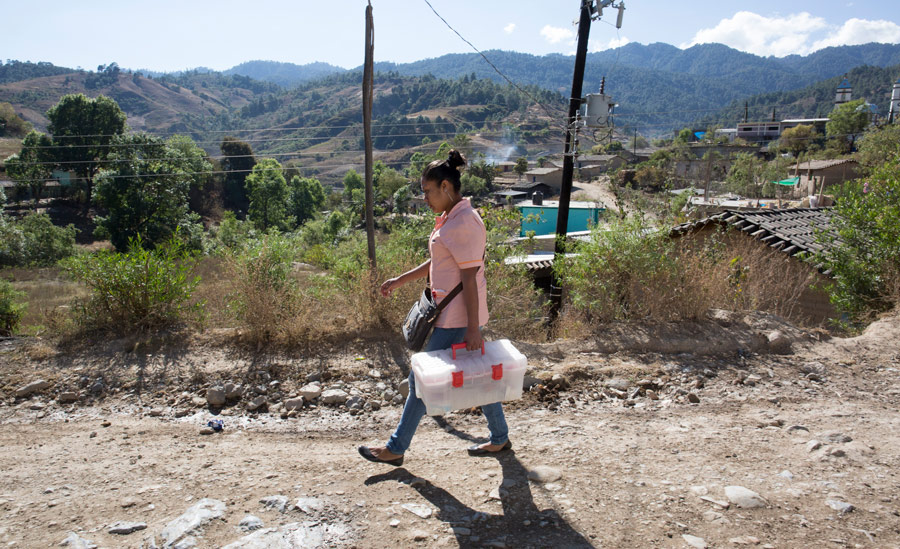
437, 195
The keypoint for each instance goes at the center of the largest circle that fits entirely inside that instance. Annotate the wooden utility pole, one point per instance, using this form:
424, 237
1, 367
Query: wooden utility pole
368, 85
562, 218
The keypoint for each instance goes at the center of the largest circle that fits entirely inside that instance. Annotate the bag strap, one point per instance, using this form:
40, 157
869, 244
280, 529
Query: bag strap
446, 301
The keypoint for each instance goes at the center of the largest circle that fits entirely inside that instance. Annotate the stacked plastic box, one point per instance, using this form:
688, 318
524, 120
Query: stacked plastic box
453, 379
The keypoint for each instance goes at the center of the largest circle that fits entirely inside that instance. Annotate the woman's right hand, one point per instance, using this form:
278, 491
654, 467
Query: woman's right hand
389, 286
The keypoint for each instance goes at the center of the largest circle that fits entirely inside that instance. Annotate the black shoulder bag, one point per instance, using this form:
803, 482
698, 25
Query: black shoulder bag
421, 317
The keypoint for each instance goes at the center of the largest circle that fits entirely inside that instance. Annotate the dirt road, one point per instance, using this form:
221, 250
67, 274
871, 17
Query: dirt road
813, 435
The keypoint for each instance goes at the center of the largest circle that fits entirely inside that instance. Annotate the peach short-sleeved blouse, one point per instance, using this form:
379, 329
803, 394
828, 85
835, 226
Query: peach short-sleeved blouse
457, 242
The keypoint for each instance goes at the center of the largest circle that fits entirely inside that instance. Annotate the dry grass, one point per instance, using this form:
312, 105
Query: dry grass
48, 293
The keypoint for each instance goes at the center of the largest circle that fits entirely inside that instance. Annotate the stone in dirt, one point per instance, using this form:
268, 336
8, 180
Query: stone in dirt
543, 474
277, 503
124, 528
233, 392
418, 509
308, 505
256, 403
619, 384
215, 396
289, 536
207, 431
693, 398
838, 438
74, 541
404, 388
813, 445
334, 396
716, 502
293, 403
197, 515
33, 387
778, 343
694, 541
744, 497
841, 507
67, 397
250, 523
311, 391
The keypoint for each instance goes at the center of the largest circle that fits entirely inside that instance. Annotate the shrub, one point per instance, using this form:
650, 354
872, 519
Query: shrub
11, 309
628, 272
34, 241
264, 294
137, 290
863, 257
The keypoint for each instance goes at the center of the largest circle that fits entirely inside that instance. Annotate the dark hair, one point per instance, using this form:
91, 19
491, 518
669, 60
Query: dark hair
448, 169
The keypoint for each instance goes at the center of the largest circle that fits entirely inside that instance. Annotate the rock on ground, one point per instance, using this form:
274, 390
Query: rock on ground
124, 528
215, 396
33, 387
289, 536
334, 396
744, 497
196, 516
544, 473
250, 523
310, 391
277, 503
74, 541
694, 541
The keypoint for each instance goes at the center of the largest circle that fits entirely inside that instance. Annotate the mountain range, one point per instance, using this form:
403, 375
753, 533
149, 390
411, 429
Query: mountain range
658, 88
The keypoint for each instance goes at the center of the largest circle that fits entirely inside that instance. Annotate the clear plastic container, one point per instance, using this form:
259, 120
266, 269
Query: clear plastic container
454, 379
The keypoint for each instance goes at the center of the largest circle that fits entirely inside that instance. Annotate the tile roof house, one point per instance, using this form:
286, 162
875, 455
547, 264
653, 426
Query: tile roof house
789, 231
815, 174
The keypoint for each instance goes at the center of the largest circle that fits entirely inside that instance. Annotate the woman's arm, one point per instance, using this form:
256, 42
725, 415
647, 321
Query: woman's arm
392, 284
470, 297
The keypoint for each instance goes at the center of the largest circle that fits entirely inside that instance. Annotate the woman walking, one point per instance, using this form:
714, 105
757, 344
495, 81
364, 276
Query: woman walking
456, 247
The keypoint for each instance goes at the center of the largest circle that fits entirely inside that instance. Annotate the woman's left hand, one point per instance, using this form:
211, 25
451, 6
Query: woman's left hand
474, 340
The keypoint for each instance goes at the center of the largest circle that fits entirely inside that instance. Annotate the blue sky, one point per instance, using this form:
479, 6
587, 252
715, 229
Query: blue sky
170, 35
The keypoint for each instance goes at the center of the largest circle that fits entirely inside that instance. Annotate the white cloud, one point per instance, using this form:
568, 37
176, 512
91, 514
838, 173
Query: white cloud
508, 29
612, 44
754, 33
555, 35
861, 31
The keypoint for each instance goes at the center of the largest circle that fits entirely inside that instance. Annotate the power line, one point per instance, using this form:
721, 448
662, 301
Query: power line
493, 66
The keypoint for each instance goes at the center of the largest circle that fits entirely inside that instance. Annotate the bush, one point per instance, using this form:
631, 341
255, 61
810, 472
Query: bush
628, 272
863, 257
265, 294
34, 241
11, 309
137, 290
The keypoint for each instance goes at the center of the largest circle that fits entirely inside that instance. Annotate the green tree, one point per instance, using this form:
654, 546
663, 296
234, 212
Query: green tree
11, 125
472, 185
33, 166
878, 146
847, 120
521, 166
685, 136
485, 171
268, 193
861, 250
401, 199
145, 195
238, 162
387, 182
798, 139
84, 131
352, 181
307, 197
745, 176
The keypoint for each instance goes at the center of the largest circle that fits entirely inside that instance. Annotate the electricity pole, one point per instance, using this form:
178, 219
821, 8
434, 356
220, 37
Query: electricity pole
562, 217
368, 86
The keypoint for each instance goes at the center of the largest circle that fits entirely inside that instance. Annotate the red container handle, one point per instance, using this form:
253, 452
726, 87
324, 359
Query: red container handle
497, 371
462, 345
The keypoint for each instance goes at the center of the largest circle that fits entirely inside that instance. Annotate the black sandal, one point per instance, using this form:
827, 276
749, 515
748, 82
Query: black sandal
365, 452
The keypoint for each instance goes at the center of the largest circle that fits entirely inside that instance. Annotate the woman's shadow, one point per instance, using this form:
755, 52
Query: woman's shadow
521, 524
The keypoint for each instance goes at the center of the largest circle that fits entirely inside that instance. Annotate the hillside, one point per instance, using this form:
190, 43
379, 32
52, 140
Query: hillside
284, 74
870, 83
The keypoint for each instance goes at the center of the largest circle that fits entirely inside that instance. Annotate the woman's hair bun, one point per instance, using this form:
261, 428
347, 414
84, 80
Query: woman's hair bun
456, 160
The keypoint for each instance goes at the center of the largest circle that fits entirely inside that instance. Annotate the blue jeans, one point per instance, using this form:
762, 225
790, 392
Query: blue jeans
414, 409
